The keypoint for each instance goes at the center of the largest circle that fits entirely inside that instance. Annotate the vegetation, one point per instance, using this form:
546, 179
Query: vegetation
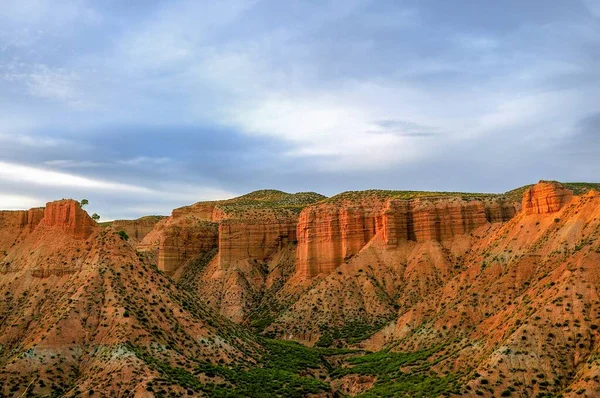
351, 332
270, 199
279, 375
95, 217
84, 202
123, 235
391, 381
578, 188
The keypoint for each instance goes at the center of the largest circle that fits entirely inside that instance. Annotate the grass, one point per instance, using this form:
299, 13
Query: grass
269, 199
578, 188
351, 332
391, 381
282, 373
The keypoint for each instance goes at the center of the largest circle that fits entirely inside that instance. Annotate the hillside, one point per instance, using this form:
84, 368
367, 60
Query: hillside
390, 293
82, 313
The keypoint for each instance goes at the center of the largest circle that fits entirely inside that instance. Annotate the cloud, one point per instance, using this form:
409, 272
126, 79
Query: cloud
25, 23
18, 202
37, 176
196, 99
72, 164
145, 161
42, 81
32, 141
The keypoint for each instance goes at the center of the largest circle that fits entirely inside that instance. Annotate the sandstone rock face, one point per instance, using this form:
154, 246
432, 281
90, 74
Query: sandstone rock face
251, 227
137, 229
70, 217
15, 223
546, 197
187, 233
253, 239
328, 234
184, 240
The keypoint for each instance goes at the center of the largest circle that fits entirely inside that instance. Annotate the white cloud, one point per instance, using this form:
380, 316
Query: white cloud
19, 202
45, 82
145, 161
24, 23
21, 139
37, 176
68, 164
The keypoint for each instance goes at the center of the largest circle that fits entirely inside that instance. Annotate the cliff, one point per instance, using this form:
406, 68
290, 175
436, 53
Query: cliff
328, 234
68, 216
545, 198
137, 229
16, 224
254, 239
249, 227
185, 240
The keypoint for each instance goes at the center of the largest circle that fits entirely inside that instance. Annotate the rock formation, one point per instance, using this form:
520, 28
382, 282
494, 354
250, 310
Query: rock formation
465, 294
14, 224
70, 217
330, 233
545, 197
136, 229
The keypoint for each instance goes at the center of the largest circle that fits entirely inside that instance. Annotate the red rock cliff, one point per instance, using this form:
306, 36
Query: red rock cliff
14, 224
329, 233
254, 239
184, 240
137, 229
545, 197
68, 215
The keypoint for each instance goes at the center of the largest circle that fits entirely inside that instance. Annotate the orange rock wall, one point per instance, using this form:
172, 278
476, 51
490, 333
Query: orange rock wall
70, 217
15, 223
545, 197
184, 240
327, 235
253, 239
136, 229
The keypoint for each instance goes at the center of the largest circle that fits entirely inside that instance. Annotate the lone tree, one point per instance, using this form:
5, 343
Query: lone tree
123, 235
84, 202
95, 217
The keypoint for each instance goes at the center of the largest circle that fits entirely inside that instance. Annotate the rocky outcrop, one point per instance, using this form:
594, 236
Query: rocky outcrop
440, 220
14, 224
254, 239
185, 240
68, 215
328, 234
137, 229
546, 197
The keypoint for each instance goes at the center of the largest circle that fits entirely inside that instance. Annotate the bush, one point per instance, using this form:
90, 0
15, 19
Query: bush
123, 235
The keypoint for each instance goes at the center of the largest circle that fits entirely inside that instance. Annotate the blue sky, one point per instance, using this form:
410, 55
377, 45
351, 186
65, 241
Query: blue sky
142, 106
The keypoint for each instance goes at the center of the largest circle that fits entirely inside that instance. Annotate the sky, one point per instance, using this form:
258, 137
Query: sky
142, 106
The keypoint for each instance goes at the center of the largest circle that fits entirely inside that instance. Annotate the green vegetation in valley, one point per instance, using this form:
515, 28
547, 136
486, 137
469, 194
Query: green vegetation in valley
392, 381
288, 369
283, 373
351, 333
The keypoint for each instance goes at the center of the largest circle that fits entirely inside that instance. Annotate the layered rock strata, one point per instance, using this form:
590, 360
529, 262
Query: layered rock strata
331, 233
70, 217
545, 197
137, 229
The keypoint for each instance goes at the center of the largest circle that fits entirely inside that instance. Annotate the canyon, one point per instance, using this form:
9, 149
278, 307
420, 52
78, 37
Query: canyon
390, 293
